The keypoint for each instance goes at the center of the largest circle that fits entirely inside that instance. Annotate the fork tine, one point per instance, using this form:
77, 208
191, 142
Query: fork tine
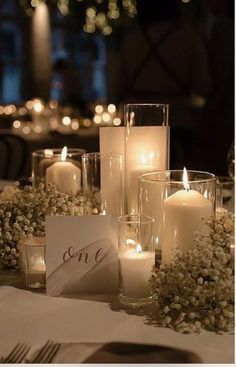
46, 356
17, 354
42, 352
14, 350
23, 355
13, 353
52, 354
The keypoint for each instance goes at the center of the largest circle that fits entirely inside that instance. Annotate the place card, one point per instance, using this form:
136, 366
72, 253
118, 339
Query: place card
81, 254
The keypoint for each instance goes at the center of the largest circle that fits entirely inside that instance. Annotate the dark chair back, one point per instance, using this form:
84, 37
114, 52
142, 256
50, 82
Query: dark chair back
13, 156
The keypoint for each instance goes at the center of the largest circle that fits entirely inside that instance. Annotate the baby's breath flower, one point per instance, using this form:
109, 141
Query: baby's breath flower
23, 211
196, 290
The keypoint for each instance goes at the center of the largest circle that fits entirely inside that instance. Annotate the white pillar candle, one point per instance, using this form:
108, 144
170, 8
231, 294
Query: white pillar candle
146, 150
183, 214
146, 164
66, 175
112, 195
112, 140
136, 268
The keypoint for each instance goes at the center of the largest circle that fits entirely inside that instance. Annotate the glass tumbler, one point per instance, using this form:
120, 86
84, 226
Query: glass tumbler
136, 259
225, 192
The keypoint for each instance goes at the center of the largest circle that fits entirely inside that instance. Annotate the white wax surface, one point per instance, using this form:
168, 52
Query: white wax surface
134, 186
66, 175
150, 143
136, 271
183, 215
112, 140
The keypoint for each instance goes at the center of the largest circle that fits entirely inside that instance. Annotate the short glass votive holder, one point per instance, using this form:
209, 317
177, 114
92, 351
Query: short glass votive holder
61, 167
136, 259
225, 193
32, 260
181, 203
103, 183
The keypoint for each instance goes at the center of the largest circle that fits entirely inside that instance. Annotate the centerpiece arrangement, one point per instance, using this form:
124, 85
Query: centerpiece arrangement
186, 263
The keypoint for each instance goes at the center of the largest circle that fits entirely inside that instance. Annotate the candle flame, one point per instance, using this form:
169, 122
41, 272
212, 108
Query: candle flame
48, 153
130, 242
185, 179
138, 249
64, 154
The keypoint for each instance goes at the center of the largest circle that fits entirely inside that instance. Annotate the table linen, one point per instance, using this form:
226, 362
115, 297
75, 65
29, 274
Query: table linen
35, 318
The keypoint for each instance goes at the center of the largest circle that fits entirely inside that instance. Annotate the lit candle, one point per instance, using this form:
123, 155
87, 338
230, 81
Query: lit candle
65, 174
38, 265
146, 150
145, 164
135, 268
183, 214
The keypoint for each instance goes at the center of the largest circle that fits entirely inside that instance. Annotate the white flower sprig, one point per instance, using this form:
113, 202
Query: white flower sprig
196, 290
23, 211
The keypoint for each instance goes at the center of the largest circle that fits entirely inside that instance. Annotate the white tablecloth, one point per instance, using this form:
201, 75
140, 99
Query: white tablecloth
34, 318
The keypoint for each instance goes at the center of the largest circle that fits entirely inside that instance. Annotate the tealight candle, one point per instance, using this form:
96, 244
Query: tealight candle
183, 214
32, 259
65, 174
38, 264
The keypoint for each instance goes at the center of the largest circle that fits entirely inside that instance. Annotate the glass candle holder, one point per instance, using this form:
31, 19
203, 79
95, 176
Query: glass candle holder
136, 259
103, 183
146, 145
225, 193
32, 260
180, 203
61, 167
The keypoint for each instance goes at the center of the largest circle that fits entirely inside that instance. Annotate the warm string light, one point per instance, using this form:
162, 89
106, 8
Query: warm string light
98, 16
37, 117
106, 115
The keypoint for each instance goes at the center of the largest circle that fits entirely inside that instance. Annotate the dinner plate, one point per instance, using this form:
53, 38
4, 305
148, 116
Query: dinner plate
141, 353
121, 352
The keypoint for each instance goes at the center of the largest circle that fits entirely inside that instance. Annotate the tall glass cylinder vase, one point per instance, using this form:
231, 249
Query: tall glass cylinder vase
181, 203
103, 183
146, 146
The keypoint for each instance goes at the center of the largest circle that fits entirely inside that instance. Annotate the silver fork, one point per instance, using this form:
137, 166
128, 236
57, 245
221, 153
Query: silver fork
47, 353
18, 354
